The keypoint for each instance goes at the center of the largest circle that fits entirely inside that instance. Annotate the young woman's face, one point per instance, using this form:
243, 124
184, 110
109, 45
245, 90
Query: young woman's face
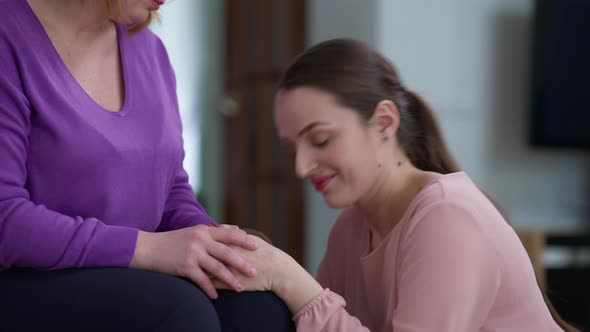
137, 11
334, 148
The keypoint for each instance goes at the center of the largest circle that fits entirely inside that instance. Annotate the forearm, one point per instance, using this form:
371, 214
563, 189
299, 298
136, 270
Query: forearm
299, 289
141, 254
33, 236
294, 285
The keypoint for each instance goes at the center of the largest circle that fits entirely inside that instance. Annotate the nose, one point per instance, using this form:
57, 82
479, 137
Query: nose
304, 163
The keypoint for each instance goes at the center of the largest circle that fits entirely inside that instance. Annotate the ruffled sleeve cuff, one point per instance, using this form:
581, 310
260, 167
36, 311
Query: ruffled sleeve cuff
320, 309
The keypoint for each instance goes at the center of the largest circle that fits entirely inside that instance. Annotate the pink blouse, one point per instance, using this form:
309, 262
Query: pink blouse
451, 264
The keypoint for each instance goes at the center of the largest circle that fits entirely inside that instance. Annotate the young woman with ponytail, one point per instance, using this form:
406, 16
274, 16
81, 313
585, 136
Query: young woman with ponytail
418, 246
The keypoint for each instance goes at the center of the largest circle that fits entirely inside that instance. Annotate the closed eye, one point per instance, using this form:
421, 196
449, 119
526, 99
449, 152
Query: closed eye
322, 144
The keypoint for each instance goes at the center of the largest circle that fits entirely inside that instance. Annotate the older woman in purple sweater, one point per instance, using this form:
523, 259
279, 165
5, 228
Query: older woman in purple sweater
97, 219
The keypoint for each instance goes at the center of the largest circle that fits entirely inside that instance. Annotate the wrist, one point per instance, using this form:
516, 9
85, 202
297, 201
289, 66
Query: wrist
141, 253
295, 286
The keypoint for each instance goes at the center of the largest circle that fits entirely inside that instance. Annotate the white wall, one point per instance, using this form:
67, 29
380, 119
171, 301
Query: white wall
341, 18
191, 31
178, 30
470, 60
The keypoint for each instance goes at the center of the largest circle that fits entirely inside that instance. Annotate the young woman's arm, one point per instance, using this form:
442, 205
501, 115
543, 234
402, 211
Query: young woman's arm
314, 308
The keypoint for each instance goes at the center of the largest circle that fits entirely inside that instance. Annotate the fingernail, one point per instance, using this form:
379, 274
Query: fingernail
253, 243
252, 271
240, 288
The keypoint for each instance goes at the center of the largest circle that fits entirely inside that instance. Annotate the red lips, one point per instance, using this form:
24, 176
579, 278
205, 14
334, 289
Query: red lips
321, 182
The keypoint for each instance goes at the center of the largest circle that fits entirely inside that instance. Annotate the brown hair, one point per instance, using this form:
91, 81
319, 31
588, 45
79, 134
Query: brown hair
114, 8
359, 78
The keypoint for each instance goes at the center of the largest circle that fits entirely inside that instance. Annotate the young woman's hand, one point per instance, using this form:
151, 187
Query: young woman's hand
279, 273
198, 253
266, 259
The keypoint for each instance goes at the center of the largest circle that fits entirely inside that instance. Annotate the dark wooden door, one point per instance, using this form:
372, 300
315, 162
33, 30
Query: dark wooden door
260, 188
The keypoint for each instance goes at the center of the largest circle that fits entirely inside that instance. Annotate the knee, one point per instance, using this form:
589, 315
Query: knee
186, 308
252, 311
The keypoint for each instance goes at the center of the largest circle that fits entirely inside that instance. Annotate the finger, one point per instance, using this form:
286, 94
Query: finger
233, 235
257, 233
229, 226
219, 271
218, 284
204, 282
230, 257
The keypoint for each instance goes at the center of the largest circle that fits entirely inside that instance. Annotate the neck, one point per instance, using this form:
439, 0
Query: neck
82, 18
388, 200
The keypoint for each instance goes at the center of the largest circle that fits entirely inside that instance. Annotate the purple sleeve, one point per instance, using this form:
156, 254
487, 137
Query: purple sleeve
32, 235
182, 208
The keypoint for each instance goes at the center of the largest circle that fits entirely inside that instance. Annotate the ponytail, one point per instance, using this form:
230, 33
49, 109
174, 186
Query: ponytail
422, 140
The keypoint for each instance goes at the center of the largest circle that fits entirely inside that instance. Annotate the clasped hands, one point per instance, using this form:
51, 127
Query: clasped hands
212, 256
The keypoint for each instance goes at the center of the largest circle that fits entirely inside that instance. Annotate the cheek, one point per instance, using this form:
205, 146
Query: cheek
356, 168
358, 157
356, 165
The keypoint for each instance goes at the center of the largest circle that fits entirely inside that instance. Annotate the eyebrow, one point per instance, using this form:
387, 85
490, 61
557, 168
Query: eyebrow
310, 127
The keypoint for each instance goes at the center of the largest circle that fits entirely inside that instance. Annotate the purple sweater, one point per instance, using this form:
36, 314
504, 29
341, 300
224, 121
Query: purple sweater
77, 182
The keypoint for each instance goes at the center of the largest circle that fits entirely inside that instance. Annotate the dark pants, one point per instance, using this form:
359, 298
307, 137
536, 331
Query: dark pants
112, 299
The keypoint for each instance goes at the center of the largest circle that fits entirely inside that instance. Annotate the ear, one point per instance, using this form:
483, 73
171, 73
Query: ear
385, 119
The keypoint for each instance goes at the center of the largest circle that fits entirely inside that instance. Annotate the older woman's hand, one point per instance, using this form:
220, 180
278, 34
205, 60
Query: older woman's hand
198, 253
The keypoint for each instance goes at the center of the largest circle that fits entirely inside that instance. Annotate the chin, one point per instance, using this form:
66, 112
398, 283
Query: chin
337, 202
135, 19
139, 19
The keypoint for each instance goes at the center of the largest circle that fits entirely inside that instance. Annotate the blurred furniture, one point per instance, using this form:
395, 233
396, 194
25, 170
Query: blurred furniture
562, 264
534, 243
260, 189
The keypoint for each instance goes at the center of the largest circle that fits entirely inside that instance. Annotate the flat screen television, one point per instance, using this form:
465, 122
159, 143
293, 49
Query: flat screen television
560, 92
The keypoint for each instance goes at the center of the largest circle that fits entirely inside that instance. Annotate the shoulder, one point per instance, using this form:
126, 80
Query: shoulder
146, 50
454, 195
18, 24
13, 12
454, 209
145, 43
146, 38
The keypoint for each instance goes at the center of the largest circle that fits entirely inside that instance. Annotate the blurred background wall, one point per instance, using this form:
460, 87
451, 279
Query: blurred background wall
192, 32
